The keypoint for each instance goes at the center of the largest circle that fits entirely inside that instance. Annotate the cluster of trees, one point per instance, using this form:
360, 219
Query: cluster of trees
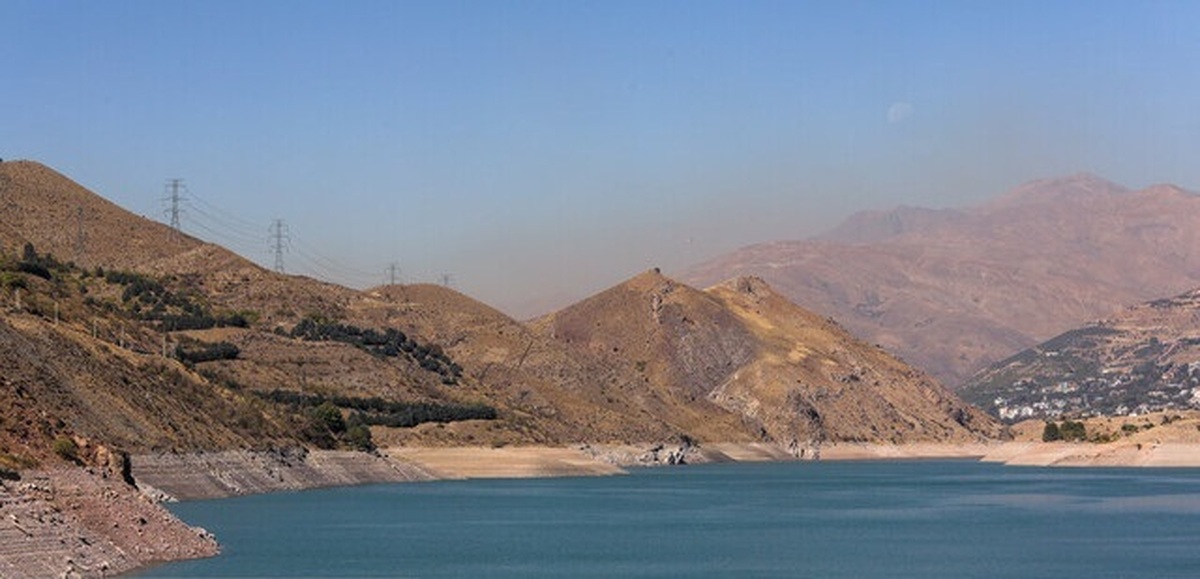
39, 265
195, 352
388, 343
150, 300
32, 263
327, 427
367, 411
1068, 431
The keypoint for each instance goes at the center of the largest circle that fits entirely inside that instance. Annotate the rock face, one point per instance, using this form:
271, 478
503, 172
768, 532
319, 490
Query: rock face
1143, 359
190, 476
79, 523
952, 291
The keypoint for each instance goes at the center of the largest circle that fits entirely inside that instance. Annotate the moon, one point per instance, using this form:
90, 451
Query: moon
899, 112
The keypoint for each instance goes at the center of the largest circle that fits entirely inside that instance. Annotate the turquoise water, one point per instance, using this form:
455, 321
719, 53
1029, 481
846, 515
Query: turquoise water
830, 519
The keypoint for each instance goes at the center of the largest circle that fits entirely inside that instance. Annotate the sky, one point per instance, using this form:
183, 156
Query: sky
538, 151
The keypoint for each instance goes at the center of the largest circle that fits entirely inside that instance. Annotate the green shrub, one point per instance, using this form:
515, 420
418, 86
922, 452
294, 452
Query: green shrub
197, 352
65, 448
1073, 431
1051, 433
359, 438
330, 416
13, 280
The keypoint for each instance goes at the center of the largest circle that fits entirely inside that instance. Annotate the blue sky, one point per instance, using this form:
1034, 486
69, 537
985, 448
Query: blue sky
540, 151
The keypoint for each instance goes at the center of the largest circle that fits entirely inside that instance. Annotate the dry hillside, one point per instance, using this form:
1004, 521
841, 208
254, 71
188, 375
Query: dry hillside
1143, 359
152, 340
740, 357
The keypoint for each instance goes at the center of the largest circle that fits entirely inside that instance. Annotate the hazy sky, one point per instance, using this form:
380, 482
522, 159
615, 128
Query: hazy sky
544, 150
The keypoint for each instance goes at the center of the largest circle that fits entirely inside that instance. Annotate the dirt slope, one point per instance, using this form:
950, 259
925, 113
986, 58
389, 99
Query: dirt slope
739, 357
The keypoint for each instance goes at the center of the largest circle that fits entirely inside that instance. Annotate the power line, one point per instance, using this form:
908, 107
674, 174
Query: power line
230, 229
337, 265
221, 229
279, 242
226, 216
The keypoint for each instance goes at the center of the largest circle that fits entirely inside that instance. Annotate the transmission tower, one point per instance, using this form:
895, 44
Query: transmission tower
279, 242
174, 197
447, 280
393, 271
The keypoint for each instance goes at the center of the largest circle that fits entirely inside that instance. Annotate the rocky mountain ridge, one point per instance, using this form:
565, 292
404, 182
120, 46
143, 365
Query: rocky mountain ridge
954, 290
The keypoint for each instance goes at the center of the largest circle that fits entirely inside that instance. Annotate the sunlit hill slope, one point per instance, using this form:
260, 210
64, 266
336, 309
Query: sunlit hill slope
122, 333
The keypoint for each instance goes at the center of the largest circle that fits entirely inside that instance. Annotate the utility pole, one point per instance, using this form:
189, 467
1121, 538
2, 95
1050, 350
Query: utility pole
393, 271
279, 242
175, 189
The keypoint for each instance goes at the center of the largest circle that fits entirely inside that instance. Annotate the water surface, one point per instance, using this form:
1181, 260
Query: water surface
827, 519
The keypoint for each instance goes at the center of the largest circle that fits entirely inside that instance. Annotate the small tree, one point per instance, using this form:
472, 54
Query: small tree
330, 416
359, 437
1051, 432
1073, 431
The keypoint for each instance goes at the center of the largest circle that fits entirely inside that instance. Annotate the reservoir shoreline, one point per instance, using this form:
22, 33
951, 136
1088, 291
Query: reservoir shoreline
87, 523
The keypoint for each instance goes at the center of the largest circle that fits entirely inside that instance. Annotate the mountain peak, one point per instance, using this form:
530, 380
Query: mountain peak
748, 284
1077, 187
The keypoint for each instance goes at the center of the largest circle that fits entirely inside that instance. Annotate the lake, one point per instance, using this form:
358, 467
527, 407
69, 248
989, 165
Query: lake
810, 519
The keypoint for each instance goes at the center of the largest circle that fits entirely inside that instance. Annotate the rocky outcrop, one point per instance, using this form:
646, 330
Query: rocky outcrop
77, 522
206, 475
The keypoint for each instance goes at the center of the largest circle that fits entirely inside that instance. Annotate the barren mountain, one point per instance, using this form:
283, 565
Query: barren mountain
1143, 359
152, 340
952, 291
739, 357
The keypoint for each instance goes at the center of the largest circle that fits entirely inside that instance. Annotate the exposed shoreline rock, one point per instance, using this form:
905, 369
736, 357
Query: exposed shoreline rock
78, 522
208, 475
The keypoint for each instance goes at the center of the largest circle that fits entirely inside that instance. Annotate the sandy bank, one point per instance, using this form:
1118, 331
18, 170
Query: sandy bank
506, 462
1117, 454
916, 450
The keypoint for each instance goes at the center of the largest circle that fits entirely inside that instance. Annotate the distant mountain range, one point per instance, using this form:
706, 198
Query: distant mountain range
955, 290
